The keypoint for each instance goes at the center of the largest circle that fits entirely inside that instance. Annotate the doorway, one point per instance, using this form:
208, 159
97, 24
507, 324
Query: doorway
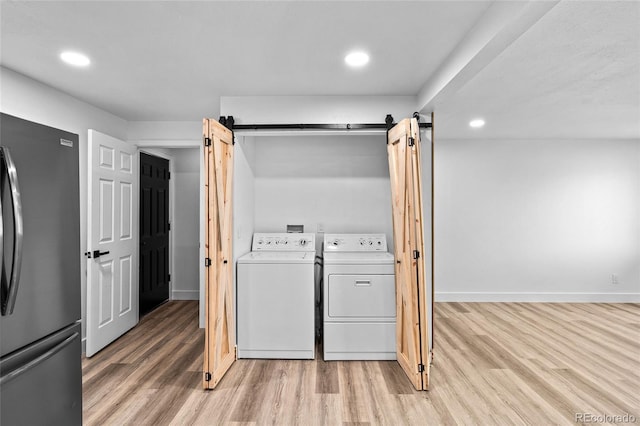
404, 152
154, 232
186, 217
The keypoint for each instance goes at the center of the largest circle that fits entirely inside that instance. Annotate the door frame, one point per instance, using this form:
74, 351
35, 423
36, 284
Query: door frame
151, 146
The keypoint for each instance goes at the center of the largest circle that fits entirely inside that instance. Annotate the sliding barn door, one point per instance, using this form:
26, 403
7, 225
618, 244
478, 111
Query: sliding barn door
220, 351
412, 336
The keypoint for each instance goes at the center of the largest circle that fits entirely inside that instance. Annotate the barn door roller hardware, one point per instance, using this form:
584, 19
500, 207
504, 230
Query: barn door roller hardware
388, 121
229, 123
389, 125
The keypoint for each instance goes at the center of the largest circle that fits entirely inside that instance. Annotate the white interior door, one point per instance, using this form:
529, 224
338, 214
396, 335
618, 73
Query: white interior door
112, 281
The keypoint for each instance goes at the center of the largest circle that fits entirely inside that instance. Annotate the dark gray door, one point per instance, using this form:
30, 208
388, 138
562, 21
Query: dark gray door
48, 295
154, 232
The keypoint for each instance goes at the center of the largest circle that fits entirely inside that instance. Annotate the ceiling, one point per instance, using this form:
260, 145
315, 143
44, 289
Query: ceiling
574, 74
531, 70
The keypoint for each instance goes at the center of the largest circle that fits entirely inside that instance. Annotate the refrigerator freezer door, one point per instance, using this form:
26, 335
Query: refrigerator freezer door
42, 383
48, 297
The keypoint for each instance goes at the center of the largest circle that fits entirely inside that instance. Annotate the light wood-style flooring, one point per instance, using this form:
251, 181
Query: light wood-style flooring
495, 363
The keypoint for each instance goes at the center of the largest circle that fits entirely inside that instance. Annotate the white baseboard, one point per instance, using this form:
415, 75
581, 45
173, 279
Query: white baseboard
185, 295
454, 296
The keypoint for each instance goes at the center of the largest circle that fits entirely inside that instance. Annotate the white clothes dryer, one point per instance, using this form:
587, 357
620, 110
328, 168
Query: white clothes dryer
359, 299
275, 293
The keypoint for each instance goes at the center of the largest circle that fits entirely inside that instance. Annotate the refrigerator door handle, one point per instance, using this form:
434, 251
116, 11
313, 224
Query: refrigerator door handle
1, 243
39, 360
14, 275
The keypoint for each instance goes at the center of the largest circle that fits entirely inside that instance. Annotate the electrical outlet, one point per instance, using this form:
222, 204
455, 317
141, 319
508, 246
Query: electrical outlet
320, 228
614, 279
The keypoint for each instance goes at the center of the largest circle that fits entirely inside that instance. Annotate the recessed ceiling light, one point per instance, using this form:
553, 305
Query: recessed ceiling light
478, 122
356, 59
74, 58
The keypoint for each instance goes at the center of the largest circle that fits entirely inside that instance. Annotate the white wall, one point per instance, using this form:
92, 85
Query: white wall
339, 182
537, 220
185, 225
34, 101
316, 109
243, 195
243, 200
173, 132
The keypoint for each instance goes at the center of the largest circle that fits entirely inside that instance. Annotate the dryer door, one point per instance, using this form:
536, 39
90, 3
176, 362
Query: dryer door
362, 297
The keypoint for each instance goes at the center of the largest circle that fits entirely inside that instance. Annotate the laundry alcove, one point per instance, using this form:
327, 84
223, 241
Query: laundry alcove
334, 182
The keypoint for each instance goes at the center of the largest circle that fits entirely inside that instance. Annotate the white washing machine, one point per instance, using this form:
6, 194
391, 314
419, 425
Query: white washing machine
359, 298
275, 293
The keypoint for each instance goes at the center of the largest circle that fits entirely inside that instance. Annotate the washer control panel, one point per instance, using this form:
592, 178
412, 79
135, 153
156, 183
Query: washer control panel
283, 242
355, 242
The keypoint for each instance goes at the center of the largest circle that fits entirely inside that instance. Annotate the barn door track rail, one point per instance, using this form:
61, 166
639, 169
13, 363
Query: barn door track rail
229, 123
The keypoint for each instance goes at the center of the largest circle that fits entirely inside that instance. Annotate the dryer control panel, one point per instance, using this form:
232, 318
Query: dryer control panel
355, 242
283, 242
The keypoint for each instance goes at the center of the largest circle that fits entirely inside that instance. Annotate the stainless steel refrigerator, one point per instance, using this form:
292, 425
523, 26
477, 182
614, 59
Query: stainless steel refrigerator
40, 342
